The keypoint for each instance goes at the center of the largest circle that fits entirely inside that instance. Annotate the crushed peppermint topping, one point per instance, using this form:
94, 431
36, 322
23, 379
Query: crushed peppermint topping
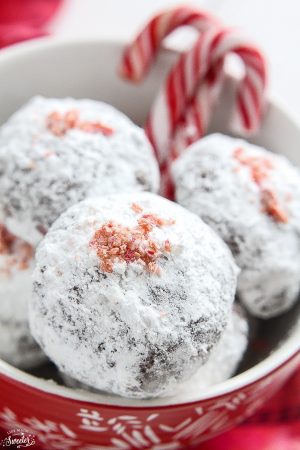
59, 124
271, 206
115, 242
136, 208
260, 168
19, 251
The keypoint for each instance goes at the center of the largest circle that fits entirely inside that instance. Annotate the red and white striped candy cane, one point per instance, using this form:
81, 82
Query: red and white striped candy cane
182, 110
195, 120
138, 57
185, 103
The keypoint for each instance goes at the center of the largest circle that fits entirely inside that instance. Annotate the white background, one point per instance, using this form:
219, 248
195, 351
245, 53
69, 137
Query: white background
273, 24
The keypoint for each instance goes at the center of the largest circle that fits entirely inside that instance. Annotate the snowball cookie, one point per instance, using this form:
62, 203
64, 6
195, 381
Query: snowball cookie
56, 152
16, 265
251, 197
131, 293
221, 365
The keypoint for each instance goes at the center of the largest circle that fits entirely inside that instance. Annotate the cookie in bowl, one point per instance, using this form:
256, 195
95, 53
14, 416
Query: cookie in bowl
56, 152
251, 197
131, 294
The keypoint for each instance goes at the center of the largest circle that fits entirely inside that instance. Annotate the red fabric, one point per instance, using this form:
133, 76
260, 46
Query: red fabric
24, 19
277, 425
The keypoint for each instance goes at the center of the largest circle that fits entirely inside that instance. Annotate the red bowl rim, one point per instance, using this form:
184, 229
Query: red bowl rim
280, 358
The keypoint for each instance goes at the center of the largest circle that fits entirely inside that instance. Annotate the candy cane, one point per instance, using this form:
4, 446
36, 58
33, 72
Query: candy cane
138, 57
187, 97
196, 118
183, 108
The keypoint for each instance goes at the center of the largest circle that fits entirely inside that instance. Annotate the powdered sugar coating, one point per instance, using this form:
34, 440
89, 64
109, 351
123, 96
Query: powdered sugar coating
131, 332
17, 346
42, 174
214, 184
224, 358
221, 365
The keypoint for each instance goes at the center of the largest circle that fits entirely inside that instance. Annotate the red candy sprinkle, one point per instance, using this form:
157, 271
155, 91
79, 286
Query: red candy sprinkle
115, 242
59, 124
260, 168
20, 251
271, 206
168, 246
6, 240
136, 208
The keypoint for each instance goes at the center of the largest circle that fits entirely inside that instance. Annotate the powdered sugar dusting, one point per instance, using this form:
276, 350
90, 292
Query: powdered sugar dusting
251, 197
17, 346
56, 152
224, 359
130, 331
221, 365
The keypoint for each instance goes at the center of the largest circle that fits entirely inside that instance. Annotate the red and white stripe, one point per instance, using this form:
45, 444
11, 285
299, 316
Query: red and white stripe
182, 111
138, 57
183, 108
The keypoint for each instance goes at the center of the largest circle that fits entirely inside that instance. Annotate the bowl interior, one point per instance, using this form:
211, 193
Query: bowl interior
90, 69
